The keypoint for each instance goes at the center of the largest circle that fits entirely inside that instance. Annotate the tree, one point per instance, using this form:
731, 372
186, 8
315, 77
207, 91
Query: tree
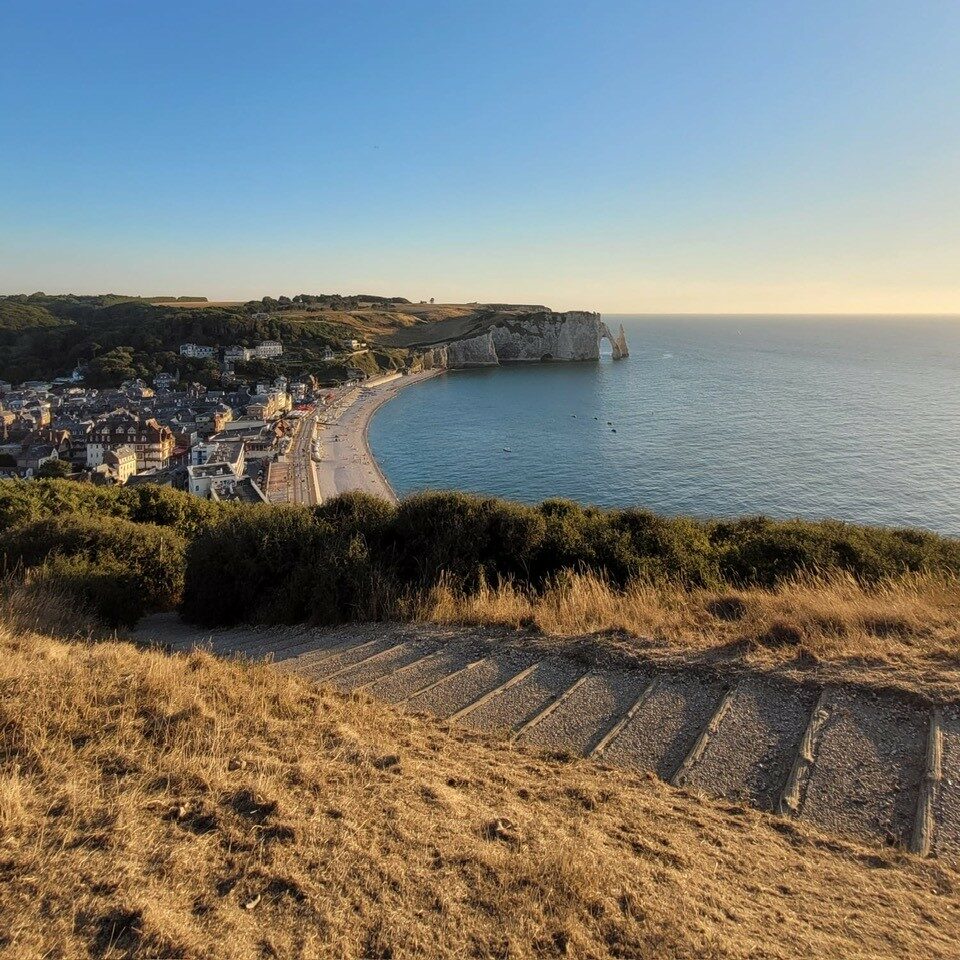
53, 469
112, 368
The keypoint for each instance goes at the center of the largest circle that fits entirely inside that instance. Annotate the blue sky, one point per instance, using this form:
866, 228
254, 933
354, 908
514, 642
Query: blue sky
651, 157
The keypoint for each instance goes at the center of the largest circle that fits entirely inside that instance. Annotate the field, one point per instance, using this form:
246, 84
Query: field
155, 805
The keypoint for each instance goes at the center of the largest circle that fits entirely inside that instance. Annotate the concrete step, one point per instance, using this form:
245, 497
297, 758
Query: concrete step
266, 641
316, 643
463, 688
322, 664
387, 662
868, 763
253, 643
662, 732
163, 630
410, 680
749, 755
946, 798
851, 762
515, 707
580, 721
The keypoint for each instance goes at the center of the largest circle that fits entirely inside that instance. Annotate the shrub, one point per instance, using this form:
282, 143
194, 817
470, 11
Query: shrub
106, 589
466, 538
762, 552
642, 545
166, 507
22, 501
122, 569
333, 563
241, 565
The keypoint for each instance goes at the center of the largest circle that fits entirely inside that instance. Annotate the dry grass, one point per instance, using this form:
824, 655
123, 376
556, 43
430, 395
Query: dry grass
31, 603
903, 633
158, 806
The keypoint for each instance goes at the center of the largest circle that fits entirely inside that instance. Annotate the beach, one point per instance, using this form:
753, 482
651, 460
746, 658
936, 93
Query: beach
345, 460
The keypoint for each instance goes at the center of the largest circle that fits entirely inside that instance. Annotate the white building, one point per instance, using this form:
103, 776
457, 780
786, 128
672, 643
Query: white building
237, 353
196, 351
225, 462
269, 348
201, 478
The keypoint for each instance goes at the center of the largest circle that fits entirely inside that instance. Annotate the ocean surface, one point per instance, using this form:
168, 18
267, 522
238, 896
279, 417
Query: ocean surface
849, 417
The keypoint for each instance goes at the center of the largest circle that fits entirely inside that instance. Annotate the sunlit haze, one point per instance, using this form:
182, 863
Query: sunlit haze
619, 156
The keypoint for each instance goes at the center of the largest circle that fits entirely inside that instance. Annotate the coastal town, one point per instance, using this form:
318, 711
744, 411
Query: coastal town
255, 442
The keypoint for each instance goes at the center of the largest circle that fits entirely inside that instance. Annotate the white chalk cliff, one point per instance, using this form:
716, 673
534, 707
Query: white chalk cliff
528, 338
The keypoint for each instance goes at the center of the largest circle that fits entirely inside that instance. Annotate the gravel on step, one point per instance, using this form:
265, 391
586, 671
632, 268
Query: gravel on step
403, 683
163, 629
750, 755
664, 729
292, 641
868, 762
514, 707
370, 670
946, 805
460, 690
320, 664
167, 630
588, 713
257, 642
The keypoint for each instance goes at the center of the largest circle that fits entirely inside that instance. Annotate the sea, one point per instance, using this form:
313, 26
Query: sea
856, 418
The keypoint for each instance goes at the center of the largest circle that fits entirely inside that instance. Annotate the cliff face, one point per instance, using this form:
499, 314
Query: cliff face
533, 337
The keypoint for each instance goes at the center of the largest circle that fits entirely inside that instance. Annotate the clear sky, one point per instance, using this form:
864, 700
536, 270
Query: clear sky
642, 156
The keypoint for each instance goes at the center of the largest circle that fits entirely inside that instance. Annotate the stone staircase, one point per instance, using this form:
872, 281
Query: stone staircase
852, 762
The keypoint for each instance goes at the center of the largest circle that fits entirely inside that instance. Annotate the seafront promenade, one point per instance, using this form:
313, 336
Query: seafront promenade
346, 462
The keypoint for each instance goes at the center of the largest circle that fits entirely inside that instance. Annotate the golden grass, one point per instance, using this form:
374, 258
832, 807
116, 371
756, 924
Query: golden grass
902, 633
181, 806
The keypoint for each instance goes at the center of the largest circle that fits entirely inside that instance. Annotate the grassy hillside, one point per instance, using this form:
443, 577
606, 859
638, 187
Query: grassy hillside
119, 337
155, 805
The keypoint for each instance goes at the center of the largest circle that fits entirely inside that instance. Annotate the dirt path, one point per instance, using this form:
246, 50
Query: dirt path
871, 765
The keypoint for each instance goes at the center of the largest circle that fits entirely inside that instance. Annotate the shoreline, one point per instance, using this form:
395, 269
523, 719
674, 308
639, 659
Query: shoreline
346, 461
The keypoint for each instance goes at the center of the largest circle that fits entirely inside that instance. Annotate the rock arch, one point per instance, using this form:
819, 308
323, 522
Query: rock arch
618, 342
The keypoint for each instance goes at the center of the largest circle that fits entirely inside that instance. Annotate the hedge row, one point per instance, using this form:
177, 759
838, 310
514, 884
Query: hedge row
331, 563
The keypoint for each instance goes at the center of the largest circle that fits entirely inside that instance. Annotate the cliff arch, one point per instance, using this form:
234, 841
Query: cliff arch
618, 343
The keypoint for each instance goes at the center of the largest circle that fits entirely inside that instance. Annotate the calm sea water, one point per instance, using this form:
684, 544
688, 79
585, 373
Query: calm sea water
856, 418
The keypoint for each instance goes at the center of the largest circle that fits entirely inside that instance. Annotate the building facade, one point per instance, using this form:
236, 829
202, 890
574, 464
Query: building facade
269, 348
152, 443
197, 351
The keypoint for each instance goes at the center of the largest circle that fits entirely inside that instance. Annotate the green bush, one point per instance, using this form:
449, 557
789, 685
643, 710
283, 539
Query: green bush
463, 537
244, 564
122, 570
106, 589
288, 564
124, 549
763, 552
22, 501
330, 564
644, 545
